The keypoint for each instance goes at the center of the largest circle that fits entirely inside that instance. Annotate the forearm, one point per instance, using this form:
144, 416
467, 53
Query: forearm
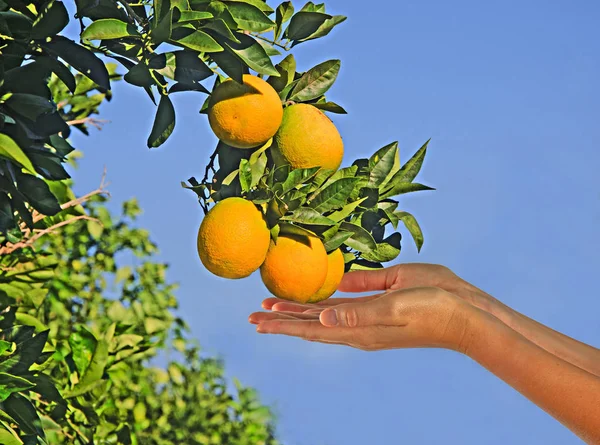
567, 392
575, 352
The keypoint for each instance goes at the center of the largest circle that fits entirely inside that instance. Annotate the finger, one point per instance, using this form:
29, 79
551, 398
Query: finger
257, 317
335, 301
378, 311
269, 302
368, 280
291, 307
311, 330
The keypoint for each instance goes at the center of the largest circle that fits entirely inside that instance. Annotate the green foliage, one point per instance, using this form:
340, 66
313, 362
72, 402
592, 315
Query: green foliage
79, 327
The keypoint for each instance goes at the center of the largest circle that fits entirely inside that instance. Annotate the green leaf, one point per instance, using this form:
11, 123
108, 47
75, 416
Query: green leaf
361, 240
162, 32
260, 4
154, 325
51, 20
245, 173
25, 414
384, 164
164, 123
413, 227
346, 210
269, 48
253, 55
61, 70
11, 151
337, 240
306, 215
231, 65
316, 81
387, 250
333, 196
285, 11
95, 229
286, 69
80, 58
38, 193
304, 24
139, 75
30, 105
249, 17
12, 383
183, 66
106, 29
364, 265
7, 438
196, 40
404, 187
324, 29
297, 177
193, 16
410, 170
291, 229
95, 370
83, 344
332, 107
220, 26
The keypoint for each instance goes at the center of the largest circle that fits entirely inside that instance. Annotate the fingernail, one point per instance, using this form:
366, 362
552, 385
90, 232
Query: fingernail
260, 329
329, 317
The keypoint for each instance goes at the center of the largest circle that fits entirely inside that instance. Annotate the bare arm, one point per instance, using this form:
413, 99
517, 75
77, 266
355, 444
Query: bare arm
568, 349
565, 391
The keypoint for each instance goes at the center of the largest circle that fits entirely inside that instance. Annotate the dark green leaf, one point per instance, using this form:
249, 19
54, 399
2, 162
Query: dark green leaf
404, 187
139, 75
162, 32
332, 107
62, 72
361, 240
23, 411
305, 215
7, 220
253, 55
413, 227
324, 29
38, 193
106, 29
249, 17
316, 81
231, 65
304, 24
11, 151
260, 4
195, 40
12, 383
333, 196
164, 123
180, 86
220, 27
80, 58
285, 11
291, 229
50, 21
286, 69
29, 105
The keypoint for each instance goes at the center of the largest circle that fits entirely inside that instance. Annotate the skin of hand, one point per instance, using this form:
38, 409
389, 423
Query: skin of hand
417, 309
406, 276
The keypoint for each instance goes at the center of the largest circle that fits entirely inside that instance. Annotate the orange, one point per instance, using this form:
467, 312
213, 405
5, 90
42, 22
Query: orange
295, 267
307, 138
245, 116
335, 272
233, 238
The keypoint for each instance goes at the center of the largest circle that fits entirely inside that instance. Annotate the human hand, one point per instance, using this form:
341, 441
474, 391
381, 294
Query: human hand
405, 318
402, 276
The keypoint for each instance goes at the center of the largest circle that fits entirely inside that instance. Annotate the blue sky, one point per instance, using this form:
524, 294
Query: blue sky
508, 92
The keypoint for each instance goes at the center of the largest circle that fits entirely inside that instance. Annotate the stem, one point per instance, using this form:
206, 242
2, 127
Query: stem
272, 42
211, 165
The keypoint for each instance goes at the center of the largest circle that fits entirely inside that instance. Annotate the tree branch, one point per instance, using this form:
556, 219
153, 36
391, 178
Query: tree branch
97, 123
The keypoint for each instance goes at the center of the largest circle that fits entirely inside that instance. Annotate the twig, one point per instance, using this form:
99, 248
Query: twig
211, 165
272, 42
9, 248
131, 13
97, 123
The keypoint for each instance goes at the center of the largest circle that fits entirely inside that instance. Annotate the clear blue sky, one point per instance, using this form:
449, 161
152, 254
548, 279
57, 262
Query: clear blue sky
509, 94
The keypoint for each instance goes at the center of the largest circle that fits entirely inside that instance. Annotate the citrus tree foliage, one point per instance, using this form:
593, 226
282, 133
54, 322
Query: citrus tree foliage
79, 325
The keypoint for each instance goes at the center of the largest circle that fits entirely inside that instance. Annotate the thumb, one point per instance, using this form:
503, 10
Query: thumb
354, 315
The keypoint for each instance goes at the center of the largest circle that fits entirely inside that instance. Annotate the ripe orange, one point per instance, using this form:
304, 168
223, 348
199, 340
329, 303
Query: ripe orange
335, 272
233, 238
245, 116
295, 267
307, 138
